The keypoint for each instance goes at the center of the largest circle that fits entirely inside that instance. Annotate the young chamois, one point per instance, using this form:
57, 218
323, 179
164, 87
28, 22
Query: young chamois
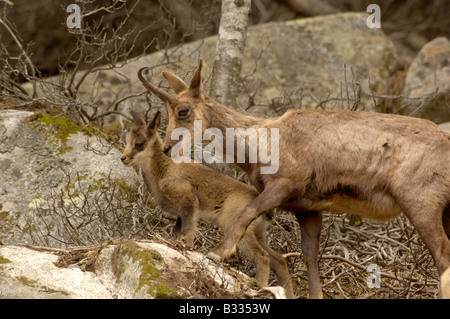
195, 191
371, 164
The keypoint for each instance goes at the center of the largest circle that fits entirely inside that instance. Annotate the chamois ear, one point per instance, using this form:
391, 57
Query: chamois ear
153, 126
175, 82
196, 83
138, 118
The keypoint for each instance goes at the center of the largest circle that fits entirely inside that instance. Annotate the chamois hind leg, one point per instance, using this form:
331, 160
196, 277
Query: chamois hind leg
430, 223
251, 248
277, 263
310, 226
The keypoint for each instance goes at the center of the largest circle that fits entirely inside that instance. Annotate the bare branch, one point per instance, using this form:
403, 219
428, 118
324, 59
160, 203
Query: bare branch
225, 78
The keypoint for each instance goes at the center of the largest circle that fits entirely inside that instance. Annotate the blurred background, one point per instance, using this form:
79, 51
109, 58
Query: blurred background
164, 23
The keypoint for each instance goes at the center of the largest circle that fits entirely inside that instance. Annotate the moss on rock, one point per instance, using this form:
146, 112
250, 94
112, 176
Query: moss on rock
4, 260
59, 127
7, 221
148, 262
26, 281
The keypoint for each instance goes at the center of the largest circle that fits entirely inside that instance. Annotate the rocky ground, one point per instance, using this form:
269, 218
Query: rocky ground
119, 269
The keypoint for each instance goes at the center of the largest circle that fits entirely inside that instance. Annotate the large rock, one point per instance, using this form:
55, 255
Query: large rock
30, 274
429, 73
56, 176
312, 62
126, 269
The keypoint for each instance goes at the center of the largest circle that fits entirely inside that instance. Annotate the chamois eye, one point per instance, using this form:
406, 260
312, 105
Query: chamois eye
183, 112
139, 145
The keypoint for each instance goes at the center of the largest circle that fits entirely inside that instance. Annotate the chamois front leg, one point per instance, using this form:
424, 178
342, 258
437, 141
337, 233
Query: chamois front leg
177, 227
188, 216
179, 234
184, 204
275, 193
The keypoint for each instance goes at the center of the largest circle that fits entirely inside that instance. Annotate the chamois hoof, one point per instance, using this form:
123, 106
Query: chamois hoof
214, 257
220, 254
181, 244
278, 291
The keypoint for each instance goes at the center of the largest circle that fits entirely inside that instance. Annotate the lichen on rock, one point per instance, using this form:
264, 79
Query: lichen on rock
52, 167
145, 265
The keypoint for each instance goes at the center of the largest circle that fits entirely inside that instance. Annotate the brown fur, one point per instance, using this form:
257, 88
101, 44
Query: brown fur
192, 191
372, 164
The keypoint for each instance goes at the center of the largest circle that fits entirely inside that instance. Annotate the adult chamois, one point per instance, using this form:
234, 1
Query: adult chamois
195, 191
370, 164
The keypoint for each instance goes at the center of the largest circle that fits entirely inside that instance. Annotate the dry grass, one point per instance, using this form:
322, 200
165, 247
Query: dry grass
407, 268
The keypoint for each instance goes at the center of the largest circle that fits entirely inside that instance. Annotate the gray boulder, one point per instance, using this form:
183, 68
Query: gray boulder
320, 62
31, 274
429, 73
56, 176
126, 269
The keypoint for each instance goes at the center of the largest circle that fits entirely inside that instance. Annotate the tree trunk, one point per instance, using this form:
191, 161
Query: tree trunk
225, 78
